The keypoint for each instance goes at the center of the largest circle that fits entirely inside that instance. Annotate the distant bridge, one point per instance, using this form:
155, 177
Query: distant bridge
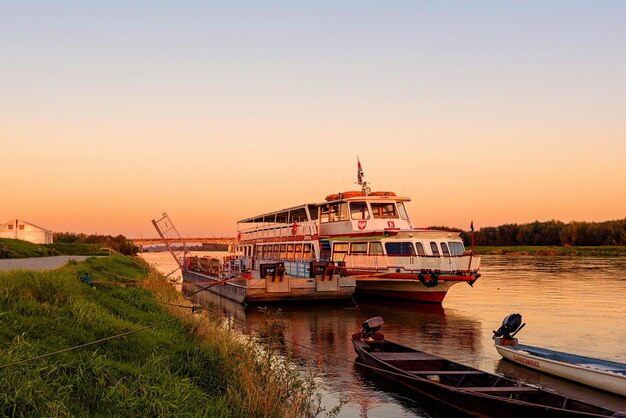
157, 241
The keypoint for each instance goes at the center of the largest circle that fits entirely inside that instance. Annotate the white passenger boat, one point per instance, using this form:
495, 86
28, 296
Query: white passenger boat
370, 236
323, 250
602, 374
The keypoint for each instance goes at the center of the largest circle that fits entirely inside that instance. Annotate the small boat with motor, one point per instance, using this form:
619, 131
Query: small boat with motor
465, 389
602, 374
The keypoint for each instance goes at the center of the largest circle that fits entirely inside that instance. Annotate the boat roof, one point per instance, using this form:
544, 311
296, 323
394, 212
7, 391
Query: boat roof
258, 217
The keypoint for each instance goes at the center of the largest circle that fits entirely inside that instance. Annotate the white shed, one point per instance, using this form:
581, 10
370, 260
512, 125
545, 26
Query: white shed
25, 231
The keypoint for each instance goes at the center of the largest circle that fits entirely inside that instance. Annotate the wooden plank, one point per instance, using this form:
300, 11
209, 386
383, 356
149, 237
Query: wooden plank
403, 356
445, 372
504, 389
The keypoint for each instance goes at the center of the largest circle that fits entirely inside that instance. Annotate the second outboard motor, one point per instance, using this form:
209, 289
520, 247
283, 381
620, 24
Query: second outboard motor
371, 326
511, 325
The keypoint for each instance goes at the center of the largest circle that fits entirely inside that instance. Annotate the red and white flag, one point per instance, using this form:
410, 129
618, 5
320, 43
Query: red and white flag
359, 172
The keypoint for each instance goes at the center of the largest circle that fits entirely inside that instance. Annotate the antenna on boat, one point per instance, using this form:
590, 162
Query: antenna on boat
359, 177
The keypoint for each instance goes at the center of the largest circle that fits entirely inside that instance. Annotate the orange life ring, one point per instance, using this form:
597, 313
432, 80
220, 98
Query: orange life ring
382, 194
332, 197
346, 195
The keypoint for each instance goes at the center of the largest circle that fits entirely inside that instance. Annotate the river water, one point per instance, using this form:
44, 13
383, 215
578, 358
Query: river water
572, 304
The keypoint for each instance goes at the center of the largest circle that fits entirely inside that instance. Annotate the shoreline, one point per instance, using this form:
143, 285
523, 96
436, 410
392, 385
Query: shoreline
62, 355
553, 251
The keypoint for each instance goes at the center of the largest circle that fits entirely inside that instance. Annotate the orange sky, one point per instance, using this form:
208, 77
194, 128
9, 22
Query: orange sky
109, 116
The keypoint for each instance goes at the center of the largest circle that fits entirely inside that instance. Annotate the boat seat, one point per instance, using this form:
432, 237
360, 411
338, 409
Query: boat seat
504, 389
403, 356
445, 372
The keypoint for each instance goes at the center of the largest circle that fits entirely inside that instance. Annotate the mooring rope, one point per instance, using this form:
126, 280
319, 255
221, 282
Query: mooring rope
65, 350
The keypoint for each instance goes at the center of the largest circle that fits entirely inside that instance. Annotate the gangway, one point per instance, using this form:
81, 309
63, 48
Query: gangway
168, 233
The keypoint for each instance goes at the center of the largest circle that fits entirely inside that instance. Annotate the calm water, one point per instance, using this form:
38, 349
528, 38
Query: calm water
569, 304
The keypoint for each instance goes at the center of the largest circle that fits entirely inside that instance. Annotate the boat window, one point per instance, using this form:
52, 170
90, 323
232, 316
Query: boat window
283, 251
298, 215
313, 212
337, 212
333, 212
282, 217
340, 249
358, 248
434, 248
456, 248
307, 251
444, 249
384, 210
376, 248
258, 250
325, 214
359, 211
324, 249
343, 212
402, 210
298, 251
290, 253
276, 252
420, 248
400, 248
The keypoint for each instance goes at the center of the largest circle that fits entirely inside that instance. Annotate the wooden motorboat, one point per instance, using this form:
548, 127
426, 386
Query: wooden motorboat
465, 389
598, 373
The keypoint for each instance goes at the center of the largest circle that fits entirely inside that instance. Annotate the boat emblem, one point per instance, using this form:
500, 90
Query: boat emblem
390, 224
362, 225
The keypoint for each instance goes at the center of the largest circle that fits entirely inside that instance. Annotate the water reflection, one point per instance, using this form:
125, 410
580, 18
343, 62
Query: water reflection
572, 304
320, 334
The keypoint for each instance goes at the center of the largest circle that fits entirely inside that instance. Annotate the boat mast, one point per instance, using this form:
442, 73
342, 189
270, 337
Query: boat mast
359, 177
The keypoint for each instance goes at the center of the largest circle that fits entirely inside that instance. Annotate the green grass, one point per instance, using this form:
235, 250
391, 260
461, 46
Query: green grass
591, 251
23, 249
186, 367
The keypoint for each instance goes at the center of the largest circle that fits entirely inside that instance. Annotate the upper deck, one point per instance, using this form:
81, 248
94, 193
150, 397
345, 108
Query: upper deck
348, 213
352, 213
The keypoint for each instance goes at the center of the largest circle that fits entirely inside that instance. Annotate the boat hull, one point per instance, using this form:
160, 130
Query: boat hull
265, 290
403, 288
608, 381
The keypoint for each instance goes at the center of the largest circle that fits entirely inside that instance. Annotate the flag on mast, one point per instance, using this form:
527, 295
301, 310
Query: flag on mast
359, 172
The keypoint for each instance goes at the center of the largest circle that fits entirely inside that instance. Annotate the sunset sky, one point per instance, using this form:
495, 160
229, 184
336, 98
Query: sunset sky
500, 112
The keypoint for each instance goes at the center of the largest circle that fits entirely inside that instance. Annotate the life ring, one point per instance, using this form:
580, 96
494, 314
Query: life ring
332, 197
428, 283
471, 282
346, 195
294, 228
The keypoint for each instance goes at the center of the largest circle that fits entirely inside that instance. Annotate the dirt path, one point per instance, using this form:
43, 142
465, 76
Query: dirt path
39, 263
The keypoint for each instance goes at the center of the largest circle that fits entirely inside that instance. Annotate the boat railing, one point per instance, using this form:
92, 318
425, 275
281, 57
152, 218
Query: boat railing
412, 263
306, 228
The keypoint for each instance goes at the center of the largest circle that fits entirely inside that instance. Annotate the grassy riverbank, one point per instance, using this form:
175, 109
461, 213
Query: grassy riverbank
23, 249
188, 366
591, 251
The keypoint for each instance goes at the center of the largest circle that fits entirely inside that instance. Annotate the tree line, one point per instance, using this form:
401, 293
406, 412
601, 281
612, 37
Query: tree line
119, 243
551, 233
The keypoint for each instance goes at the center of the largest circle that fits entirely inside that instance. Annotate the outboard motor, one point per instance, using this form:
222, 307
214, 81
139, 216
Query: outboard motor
370, 327
511, 325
